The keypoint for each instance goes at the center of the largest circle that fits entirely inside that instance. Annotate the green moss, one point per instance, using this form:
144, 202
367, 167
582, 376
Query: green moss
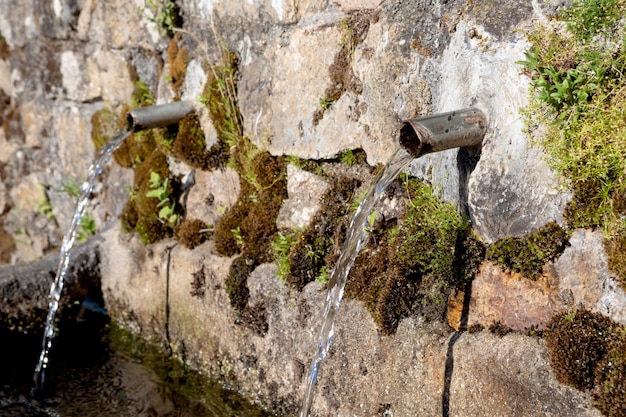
609, 394
237, 282
263, 182
578, 342
103, 126
579, 95
527, 255
411, 265
191, 233
318, 246
616, 251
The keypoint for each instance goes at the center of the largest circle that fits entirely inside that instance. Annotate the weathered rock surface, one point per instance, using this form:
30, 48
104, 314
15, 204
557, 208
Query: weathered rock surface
365, 372
305, 191
64, 60
579, 278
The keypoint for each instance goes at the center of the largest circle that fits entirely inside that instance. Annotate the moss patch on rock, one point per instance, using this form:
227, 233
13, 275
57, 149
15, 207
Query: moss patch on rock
354, 29
588, 351
248, 228
579, 97
411, 264
527, 255
317, 247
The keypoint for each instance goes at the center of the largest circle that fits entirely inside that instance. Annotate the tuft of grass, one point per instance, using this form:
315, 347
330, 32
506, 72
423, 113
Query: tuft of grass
578, 81
281, 246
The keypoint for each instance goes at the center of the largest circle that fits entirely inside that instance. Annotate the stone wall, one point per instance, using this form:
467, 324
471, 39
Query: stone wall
62, 61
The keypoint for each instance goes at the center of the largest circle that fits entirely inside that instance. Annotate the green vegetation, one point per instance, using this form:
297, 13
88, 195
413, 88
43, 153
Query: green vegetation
87, 226
410, 266
588, 351
527, 255
164, 14
348, 157
579, 84
159, 190
316, 248
281, 245
249, 227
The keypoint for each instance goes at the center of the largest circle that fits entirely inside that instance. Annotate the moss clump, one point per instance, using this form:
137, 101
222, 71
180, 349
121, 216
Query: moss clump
103, 126
141, 213
577, 343
177, 58
191, 233
237, 282
248, 228
318, 247
527, 255
609, 393
410, 266
342, 78
616, 251
579, 95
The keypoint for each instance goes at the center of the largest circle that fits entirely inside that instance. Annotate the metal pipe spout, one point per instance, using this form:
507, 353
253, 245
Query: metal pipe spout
158, 116
439, 132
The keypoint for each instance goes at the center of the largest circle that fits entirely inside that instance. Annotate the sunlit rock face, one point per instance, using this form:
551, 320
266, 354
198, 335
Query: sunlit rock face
305, 90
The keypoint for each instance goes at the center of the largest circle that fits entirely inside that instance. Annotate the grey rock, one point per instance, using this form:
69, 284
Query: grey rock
304, 190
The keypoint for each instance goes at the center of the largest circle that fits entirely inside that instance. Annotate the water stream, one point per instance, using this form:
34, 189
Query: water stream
336, 285
56, 289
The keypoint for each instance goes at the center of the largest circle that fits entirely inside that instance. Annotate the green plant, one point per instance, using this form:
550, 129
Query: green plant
163, 13
281, 246
348, 158
238, 236
141, 95
587, 18
159, 190
527, 255
578, 78
324, 276
87, 226
326, 102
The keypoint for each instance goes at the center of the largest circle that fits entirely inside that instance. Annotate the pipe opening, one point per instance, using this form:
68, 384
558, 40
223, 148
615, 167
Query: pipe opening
161, 115
439, 132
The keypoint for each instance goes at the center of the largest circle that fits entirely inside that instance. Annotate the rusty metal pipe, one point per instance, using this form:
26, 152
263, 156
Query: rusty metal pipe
158, 116
438, 132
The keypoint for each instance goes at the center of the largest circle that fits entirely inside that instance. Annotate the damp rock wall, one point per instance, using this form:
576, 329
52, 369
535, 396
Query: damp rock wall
62, 61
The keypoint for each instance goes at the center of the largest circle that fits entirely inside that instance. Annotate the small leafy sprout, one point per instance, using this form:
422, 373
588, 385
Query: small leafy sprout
221, 210
323, 276
238, 236
163, 14
281, 246
159, 190
325, 103
348, 157
371, 219
87, 227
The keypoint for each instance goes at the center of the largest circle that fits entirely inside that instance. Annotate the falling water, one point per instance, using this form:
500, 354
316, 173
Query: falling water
352, 245
68, 241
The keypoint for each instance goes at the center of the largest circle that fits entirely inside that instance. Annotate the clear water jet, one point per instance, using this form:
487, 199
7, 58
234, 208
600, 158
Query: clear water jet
418, 137
138, 119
